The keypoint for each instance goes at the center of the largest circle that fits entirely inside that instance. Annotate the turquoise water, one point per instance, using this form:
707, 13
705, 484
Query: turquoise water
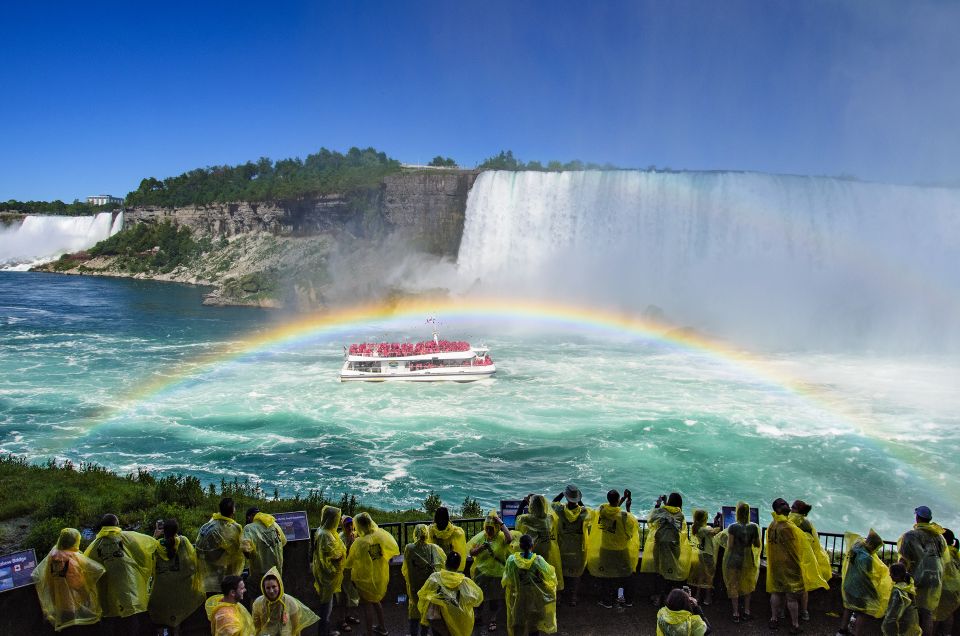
602, 412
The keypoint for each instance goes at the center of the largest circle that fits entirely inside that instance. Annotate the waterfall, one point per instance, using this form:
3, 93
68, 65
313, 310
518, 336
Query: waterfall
742, 254
39, 238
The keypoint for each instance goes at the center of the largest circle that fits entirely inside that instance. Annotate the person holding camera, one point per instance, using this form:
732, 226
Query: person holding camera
666, 552
613, 548
573, 522
177, 583
490, 549
420, 560
681, 616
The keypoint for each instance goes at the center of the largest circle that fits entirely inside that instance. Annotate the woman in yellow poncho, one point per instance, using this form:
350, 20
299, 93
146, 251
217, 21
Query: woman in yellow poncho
702, 573
541, 524
950, 592
279, 614
680, 616
613, 548
177, 582
66, 583
420, 560
530, 587
741, 561
446, 600
791, 565
866, 581
449, 537
369, 563
902, 617
490, 550
329, 556
798, 516
667, 552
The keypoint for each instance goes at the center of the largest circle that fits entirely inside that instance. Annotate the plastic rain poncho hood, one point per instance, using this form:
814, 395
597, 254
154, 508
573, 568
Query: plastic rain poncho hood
177, 584
530, 588
450, 539
490, 560
285, 616
901, 618
127, 558
218, 551
66, 584
705, 545
228, 619
679, 623
420, 560
329, 555
613, 543
667, 550
950, 590
824, 569
865, 579
455, 595
369, 559
262, 542
541, 524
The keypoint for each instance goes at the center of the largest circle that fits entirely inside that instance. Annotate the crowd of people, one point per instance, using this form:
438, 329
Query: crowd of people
124, 578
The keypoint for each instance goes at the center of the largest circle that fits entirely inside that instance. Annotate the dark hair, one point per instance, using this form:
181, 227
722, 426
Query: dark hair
898, 572
109, 520
251, 513
453, 561
780, 506
801, 506
227, 507
526, 542
677, 600
170, 531
675, 500
441, 517
230, 583
949, 537
613, 497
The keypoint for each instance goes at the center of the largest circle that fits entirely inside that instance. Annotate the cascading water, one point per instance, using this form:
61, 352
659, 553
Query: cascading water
767, 259
39, 239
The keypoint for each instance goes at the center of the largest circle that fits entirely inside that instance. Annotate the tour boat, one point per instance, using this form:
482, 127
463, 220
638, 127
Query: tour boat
430, 361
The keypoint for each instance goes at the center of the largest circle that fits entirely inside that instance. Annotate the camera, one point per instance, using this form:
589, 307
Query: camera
159, 524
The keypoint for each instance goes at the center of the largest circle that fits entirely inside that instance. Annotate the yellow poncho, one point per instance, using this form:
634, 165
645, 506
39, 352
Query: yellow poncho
573, 528
228, 619
455, 595
490, 560
679, 623
369, 559
329, 555
177, 585
127, 558
901, 618
613, 543
791, 564
866, 582
218, 551
450, 539
262, 543
541, 524
741, 560
922, 549
824, 570
950, 591
420, 560
285, 616
702, 574
66, 584
530, 586
667, 551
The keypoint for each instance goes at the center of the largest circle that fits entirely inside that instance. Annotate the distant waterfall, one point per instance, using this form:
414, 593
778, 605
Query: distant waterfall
743, 253
41, 238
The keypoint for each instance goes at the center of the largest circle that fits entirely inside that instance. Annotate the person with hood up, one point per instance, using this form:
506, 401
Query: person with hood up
791, 566
950, 594
279, 614
540, 523
922, 550
490, 550
348, 597
262, 543
218, 547
573, 525
227, 616
530, 588
446, 600
369, 562
66, 584
177, 583
741, 561
681, 616
902, 617
449, 537
128, 558
666, 551
329, 556
865, 581
613, 548
703, 572
799, 510
420, 560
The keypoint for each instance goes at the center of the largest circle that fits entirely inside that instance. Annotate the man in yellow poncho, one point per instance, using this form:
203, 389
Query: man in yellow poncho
128, 558
741, 561
449, 537
791, 565
446, 600
902, 618
613, 548
573, 526
866, 582
490, 550
530, 587
329, 557
279, 614
681, 616
66, 583
420, 560
262, 543
799, 510
369, 563
177, 585
922, 549
218, 547
950, 594
226, 615
541, 524
667, 552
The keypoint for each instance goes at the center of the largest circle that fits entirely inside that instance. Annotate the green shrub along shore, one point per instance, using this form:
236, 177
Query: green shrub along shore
56, 495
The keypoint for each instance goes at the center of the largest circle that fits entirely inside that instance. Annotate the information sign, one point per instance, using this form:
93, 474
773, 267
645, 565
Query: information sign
730, 515
509, 508
16, 569
294, 525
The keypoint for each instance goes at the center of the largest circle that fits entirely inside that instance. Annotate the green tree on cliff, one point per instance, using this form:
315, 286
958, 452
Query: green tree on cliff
443, 162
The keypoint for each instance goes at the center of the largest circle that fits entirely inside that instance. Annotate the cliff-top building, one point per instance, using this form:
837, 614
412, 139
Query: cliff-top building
103, 199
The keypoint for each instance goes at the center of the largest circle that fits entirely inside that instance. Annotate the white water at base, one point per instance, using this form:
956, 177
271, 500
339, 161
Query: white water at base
40, 239
765, 259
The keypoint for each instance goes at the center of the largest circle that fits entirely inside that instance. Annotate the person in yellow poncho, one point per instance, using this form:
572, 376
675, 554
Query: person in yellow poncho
349, 597
446, 600
573, 525
791, 565
262, 543
613, 548
799, 510
66, 583
530, 588
866, 581
226, 615
420, 560
922, 549
218, 547
902, 618
741, 561
950, 594
279, 614
541, 524
329, 556
369, 563
128, 558
703, 572
177, 585
490, 550
681, 616
449, 537
667, 552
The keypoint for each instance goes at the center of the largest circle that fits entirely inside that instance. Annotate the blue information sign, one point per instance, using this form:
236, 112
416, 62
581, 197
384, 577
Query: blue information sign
294, 525
508, 511
16, 568
730, 515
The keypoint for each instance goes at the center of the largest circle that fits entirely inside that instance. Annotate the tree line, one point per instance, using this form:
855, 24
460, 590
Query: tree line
58, 207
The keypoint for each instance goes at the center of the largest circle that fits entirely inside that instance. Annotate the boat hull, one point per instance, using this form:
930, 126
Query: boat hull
435, 375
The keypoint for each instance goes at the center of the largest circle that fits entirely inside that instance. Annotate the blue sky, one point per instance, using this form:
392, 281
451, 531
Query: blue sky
99, 95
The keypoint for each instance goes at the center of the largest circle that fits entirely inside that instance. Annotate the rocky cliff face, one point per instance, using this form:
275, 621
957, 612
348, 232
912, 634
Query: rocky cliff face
429, 208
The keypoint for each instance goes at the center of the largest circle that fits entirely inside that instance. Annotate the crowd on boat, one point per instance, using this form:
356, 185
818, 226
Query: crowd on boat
123, 576
471, 362
398, 349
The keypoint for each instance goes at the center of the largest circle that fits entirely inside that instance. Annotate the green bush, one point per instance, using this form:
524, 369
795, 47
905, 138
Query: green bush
431, 503
471, 509
43, 535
